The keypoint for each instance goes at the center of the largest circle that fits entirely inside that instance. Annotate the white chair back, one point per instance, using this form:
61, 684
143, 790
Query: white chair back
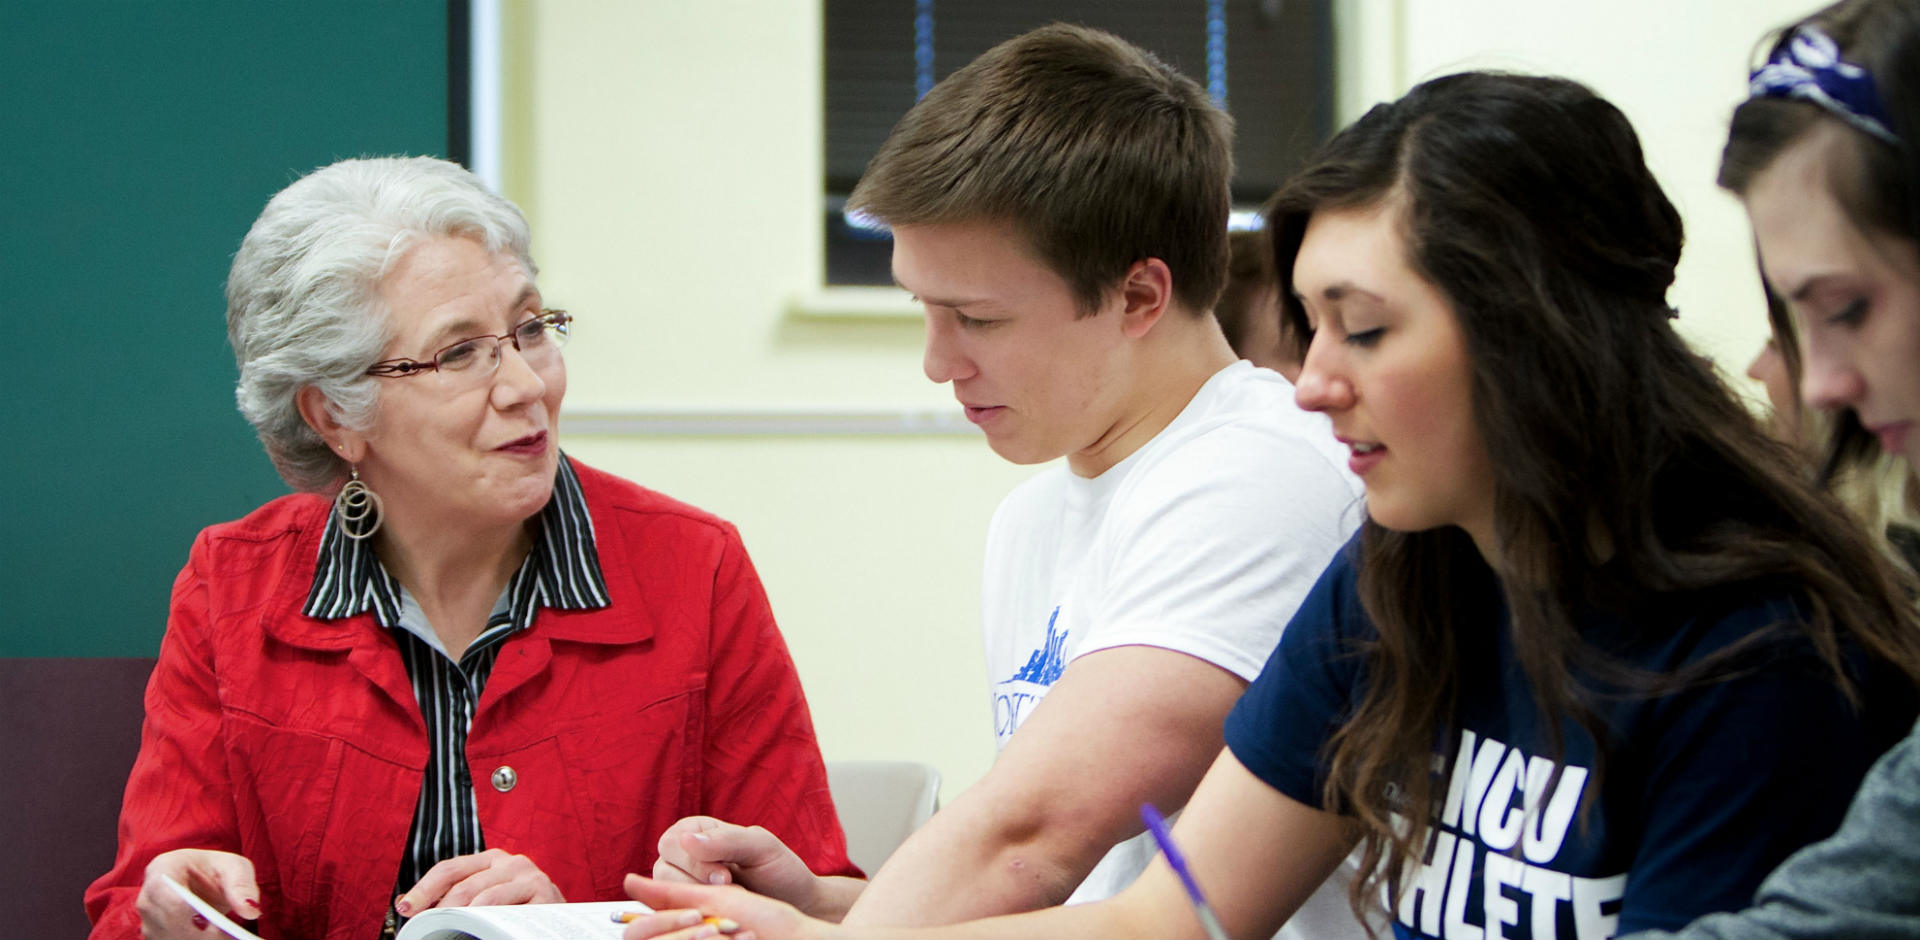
880, 803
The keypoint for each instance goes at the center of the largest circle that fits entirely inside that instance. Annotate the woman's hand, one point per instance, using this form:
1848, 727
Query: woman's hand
222, 879
689, 912
490, 877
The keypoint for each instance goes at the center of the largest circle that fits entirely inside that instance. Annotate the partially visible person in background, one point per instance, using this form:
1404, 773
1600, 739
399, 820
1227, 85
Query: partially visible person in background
1249, 308
456, 666
1769, 368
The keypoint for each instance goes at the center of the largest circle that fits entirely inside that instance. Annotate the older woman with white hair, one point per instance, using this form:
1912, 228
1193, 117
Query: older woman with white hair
482, 672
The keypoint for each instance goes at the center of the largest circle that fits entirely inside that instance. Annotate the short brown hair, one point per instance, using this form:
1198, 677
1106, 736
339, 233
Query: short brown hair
1100, 153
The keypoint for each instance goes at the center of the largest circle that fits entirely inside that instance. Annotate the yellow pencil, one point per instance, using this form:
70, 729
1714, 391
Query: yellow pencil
722, 924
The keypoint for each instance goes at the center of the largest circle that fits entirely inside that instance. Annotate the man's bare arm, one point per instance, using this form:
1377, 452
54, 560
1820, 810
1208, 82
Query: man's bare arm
1121, 727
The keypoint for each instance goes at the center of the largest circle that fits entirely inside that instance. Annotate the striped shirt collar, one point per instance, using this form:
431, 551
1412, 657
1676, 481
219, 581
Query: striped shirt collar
562, 570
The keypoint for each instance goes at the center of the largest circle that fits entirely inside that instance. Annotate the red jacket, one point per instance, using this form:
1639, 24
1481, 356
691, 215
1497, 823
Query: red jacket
297, 742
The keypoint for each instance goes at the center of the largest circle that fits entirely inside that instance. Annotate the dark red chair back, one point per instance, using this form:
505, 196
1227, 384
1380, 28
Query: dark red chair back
70, 728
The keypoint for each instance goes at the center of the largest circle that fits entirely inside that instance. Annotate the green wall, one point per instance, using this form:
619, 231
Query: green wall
138, 140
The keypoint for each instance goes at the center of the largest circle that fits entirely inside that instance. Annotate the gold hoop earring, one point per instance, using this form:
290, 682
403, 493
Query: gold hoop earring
358, 507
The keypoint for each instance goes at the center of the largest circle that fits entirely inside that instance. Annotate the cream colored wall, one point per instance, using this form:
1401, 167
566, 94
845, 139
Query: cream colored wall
668, 155
1675, 68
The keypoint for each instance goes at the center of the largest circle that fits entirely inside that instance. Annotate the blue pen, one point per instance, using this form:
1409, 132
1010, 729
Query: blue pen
1157, 825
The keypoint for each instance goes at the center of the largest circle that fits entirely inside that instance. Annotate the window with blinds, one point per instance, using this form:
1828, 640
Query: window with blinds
1269, 61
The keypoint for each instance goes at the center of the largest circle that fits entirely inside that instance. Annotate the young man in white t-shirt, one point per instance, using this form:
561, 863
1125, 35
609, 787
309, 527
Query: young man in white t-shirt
1059, 207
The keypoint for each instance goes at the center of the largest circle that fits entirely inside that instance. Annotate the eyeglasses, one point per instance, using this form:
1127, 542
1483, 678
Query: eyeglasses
473, 360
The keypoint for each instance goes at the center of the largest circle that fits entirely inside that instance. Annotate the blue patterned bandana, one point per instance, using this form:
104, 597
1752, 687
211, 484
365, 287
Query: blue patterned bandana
1806, 65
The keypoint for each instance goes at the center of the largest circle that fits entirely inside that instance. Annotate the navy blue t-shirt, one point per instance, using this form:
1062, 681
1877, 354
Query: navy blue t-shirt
1704, 792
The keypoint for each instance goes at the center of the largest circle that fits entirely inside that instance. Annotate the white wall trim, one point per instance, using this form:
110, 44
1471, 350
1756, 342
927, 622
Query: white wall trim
769, 422
483, 89
1370, 63
854, 303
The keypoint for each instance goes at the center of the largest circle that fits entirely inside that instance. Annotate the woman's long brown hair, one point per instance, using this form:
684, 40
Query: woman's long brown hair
1528, 203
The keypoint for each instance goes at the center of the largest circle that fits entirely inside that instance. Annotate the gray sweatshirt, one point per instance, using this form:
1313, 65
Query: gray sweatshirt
1862, 882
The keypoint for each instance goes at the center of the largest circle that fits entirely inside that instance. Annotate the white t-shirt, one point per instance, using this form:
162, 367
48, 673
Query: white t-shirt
1203, 541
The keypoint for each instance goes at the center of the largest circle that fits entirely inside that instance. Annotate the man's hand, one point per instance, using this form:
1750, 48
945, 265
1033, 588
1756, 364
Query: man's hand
704, 850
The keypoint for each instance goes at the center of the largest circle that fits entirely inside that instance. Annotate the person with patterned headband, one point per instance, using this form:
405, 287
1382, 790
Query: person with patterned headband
1823, 156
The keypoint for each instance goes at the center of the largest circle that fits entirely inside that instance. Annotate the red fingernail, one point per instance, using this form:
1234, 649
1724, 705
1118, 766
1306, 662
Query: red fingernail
255, 904
199, 923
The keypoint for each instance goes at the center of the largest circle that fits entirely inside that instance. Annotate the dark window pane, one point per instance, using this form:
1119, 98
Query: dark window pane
1277, 75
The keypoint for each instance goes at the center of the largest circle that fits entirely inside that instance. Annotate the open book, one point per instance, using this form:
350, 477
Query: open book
589, 920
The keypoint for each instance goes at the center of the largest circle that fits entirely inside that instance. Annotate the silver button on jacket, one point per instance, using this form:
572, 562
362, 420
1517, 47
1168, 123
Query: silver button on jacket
504, 778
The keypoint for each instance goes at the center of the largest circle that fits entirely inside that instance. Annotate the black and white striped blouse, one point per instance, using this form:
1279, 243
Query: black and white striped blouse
562, 571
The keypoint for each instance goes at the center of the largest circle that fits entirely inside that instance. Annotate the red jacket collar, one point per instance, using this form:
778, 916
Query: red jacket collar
301, 523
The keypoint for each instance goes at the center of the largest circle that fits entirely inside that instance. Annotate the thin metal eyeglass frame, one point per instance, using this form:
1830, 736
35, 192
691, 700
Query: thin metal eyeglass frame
557, 323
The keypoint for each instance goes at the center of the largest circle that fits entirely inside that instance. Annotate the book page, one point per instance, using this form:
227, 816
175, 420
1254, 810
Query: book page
213, 916
590, 920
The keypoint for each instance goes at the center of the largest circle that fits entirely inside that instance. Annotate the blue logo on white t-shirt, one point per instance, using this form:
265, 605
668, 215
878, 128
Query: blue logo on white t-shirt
1014, 697
1047, 662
